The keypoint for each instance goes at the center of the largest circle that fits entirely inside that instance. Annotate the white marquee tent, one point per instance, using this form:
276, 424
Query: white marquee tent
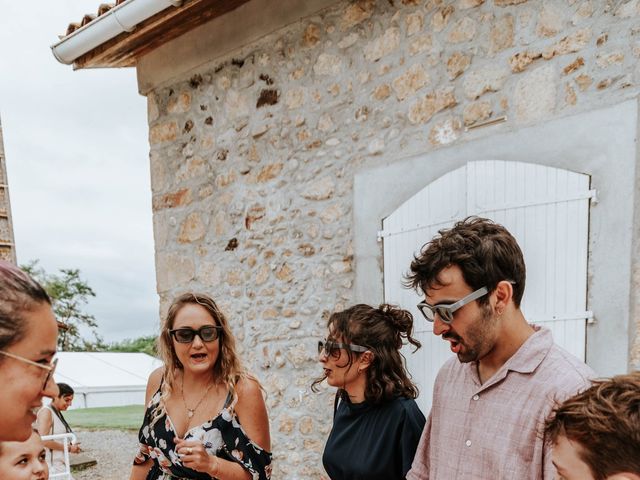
105, 379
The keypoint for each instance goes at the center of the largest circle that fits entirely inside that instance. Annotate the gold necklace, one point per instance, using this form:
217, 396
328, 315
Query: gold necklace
191, 411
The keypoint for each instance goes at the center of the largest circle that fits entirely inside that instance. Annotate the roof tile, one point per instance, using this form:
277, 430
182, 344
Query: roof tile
90, 17
72, 28
104, 8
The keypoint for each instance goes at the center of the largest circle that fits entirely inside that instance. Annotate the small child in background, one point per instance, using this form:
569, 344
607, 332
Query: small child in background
596, 434
24, 460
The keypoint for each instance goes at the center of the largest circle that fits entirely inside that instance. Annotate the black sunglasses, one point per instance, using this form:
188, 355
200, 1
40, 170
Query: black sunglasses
208, 333
332, 349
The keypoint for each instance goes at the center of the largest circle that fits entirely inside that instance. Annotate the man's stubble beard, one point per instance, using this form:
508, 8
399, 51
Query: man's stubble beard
478, 343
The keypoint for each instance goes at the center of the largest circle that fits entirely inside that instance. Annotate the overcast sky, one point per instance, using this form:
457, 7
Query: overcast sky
77, 160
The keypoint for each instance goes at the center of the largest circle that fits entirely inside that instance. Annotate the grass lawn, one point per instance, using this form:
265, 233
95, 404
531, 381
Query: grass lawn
126, 418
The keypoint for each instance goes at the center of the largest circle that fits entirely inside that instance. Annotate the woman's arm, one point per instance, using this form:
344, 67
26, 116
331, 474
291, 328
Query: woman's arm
252, 413
44, 422
139, 471
44, 425
411, 429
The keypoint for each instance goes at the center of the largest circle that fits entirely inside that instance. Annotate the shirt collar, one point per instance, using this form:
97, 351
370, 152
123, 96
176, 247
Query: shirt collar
525, 360
532, 351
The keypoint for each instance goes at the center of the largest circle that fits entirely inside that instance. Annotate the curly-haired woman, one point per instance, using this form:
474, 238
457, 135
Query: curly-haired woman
206, 417
377, 423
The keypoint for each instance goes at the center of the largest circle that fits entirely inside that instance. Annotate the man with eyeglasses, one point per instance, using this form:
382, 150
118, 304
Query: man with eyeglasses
490, 402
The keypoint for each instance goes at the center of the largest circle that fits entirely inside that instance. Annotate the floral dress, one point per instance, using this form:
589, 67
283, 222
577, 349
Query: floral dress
222, 436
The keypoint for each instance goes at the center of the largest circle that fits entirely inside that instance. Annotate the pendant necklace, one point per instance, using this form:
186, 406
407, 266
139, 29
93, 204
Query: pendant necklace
191, 411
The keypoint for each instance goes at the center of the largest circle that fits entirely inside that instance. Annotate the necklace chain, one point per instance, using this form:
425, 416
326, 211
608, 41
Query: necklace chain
191, 411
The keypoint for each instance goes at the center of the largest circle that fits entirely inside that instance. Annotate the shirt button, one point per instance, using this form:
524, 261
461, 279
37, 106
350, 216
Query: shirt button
476, 397
468, 443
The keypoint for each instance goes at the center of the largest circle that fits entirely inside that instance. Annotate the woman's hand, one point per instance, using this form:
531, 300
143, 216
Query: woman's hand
194, 456
75, 448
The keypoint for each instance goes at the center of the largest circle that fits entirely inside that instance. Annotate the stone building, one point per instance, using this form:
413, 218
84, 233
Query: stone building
281, 137
7, 245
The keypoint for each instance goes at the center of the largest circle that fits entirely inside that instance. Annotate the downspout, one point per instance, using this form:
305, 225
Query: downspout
122, 18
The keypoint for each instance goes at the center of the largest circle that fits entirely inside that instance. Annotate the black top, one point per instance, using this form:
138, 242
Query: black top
373, 442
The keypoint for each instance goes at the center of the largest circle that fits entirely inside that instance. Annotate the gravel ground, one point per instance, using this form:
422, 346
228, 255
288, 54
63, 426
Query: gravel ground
113, 449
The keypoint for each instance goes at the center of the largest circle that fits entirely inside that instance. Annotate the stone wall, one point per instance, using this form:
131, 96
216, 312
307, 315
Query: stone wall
7, 246
253, 156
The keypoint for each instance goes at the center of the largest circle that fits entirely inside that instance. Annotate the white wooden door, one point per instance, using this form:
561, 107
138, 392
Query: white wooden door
547, 211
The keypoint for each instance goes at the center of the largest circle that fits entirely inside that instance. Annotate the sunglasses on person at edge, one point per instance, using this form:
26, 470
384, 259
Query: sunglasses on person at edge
207, 333
48, 370
332, 349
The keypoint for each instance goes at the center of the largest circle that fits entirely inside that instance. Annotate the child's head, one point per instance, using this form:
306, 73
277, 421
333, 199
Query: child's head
24, 460
596, 433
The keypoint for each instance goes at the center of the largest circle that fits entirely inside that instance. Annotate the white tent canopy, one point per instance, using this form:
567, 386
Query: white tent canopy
105, 379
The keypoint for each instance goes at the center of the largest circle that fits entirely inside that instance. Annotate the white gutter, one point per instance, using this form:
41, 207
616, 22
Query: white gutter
122, 18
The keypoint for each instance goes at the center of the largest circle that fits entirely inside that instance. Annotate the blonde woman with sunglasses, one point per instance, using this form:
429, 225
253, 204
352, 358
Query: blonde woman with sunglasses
376, 423
206, 417
28, 338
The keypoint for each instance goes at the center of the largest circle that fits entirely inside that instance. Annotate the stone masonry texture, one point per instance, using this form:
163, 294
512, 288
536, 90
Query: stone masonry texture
253, 156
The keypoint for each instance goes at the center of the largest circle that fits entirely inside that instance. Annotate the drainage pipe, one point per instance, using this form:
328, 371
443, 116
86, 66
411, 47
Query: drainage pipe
122, 18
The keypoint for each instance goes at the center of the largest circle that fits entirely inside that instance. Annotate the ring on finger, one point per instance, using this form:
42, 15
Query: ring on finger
189, 450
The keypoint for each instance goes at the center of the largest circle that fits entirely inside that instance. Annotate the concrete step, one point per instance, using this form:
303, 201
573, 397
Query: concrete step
82, 461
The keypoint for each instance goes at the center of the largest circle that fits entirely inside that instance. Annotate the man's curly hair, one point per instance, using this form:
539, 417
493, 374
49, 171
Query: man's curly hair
485, 252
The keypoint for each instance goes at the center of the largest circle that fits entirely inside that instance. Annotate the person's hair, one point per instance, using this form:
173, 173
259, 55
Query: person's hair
19, 293
605, 421
228, 368
382, 331
65, 390
485, 252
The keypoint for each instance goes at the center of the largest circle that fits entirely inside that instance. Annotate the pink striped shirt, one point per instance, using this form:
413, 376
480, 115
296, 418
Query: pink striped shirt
492, 431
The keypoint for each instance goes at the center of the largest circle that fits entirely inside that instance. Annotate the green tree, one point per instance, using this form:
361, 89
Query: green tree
70, 295
146, 344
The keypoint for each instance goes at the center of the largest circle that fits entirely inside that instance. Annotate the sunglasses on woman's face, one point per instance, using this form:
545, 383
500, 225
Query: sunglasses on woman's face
208, 333
332, 349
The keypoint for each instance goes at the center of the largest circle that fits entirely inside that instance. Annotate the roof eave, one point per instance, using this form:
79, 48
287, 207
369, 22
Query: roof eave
105, 46
121, 19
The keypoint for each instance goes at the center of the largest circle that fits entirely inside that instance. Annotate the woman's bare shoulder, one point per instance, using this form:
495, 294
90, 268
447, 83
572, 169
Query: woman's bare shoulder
248, 386
155, 378
252, 411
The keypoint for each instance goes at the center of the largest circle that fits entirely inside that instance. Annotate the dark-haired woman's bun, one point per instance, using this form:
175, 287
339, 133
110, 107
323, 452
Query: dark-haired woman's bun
401, 319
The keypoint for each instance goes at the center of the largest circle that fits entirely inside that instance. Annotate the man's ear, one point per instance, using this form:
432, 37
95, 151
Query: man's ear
504, 295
